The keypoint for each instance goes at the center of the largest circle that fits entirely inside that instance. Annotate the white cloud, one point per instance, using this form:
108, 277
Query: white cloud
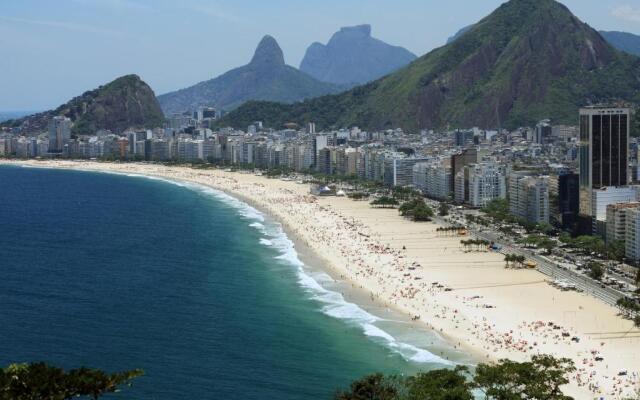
627, 13
62, 25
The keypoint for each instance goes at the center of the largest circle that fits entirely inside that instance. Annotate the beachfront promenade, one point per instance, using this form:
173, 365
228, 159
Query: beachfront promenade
467, 296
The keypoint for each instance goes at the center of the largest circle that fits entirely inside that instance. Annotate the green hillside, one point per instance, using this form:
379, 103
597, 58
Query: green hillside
528, 60
126, 102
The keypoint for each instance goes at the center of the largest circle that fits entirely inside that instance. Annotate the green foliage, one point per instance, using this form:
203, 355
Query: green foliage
126, 102
498, 209
514, 260
628, 306
594, 244
422, 213
385, 202
405, 193
596, 271
478, 244
416, 209
357, 196
440, 384
539, 241
443, 209
371, 387
41, 381
539, 379
524, 62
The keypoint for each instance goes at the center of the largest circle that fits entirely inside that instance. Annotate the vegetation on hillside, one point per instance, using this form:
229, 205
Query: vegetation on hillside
126, 102
528, 60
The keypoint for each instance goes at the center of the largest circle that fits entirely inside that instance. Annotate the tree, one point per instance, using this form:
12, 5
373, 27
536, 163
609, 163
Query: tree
407, 208
422, 212
596, 271
628, 306
41, 381
498, 209
540, 378
443, 209
440, 384
371, 387
385, 202
616, 250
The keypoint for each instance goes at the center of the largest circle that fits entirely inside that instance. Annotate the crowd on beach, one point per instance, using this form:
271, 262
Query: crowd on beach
357, 254
401, 282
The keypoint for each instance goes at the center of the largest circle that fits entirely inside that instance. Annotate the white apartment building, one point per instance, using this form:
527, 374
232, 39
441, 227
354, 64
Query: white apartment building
487, 182
632, 234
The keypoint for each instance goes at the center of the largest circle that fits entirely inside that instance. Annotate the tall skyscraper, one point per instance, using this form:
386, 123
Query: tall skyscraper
604, 148
568, 199
59, 133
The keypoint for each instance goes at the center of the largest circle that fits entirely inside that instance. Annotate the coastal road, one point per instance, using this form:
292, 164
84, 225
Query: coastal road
582, 282
551, 269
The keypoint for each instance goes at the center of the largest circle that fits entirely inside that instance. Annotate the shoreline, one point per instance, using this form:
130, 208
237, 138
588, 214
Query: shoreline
364, 246
315, 262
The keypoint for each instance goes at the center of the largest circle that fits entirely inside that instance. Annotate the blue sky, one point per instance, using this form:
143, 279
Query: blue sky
52, 50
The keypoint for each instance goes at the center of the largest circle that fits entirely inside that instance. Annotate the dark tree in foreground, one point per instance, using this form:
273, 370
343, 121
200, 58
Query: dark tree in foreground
372, 387
440, 384
539, 379
41, 381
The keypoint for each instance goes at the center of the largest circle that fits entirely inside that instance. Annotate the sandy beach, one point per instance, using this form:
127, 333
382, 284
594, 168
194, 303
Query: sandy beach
468, 297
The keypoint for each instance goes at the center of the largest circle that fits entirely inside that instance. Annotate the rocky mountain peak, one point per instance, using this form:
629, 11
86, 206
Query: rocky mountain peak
268, 53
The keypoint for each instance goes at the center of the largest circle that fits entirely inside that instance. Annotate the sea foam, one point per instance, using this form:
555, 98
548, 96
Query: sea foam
332, 303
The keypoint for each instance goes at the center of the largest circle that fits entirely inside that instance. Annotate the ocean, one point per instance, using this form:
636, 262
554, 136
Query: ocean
203, 292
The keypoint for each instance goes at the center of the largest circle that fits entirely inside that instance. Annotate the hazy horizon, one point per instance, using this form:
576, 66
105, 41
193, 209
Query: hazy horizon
53, 52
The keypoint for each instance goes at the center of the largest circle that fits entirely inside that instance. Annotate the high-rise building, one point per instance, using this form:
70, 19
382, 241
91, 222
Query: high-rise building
479, 184
568, 199
399, 171
311, 128
603, 154
542, 134
319, 143
434, 179
529, 197
59, 133
464, 138
616, 221
459, 161
632, 234
324, 161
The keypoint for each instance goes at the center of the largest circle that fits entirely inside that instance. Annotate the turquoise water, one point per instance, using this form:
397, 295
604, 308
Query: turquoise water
196, 288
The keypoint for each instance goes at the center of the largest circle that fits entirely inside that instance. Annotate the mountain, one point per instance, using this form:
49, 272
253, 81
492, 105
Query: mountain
266, 77
352, 56
623, 41
459, 33
627, 42
528, 60
127, 102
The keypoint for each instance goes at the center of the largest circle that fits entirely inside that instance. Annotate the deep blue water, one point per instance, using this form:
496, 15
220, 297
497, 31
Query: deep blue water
118, 272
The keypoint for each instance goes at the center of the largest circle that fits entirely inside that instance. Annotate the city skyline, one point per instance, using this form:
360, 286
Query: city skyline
96, 41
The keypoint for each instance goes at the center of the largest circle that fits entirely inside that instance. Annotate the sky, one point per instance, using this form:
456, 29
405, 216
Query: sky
53, 50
